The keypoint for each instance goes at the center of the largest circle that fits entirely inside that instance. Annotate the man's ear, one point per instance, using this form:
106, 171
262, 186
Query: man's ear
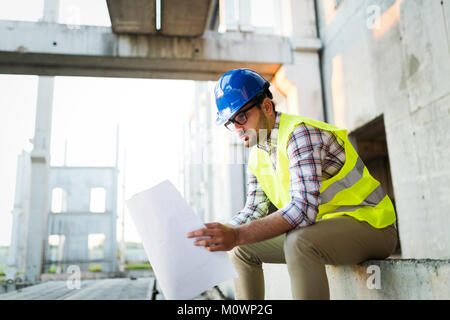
266, 106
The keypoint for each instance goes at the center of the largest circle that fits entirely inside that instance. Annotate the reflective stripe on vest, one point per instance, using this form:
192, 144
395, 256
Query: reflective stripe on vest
352, 191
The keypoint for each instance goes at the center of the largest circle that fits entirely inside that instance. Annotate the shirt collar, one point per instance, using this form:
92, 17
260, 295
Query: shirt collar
270, 144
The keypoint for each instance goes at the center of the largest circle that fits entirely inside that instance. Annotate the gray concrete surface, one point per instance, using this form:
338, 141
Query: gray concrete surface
399, 279
104, 289
400, 70
55, 49
137, 287
178, 18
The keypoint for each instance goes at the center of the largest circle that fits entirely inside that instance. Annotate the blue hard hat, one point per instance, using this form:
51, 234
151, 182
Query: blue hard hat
235, 89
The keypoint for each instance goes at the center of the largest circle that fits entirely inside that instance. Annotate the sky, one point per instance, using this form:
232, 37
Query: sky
86, 112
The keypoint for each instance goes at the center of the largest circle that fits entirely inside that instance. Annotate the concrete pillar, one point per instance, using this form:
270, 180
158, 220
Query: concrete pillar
235, 15
36, 228
20, 211
114, 209
245, 16
300, 81
228, 15
51, 11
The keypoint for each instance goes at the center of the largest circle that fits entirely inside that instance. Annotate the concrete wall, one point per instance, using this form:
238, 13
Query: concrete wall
393, 58
76, 223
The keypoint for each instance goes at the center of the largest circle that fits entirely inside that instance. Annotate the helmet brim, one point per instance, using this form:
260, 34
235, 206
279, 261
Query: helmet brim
223, 117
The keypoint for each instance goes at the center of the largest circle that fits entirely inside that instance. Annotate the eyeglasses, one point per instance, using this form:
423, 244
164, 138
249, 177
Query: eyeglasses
240, 118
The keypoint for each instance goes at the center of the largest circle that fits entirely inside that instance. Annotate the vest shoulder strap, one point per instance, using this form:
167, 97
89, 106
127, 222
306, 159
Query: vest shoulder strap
288, 123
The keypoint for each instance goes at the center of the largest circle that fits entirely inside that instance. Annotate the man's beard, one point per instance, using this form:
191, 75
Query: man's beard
253, 136
249, 137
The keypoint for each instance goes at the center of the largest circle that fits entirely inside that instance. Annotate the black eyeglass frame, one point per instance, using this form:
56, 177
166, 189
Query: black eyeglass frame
231, 121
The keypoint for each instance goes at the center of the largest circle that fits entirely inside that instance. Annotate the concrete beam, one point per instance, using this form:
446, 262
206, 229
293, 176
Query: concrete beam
55, 49
132, 16
178, 17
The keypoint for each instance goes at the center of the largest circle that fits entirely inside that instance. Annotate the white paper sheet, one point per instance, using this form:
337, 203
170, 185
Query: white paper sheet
163, 219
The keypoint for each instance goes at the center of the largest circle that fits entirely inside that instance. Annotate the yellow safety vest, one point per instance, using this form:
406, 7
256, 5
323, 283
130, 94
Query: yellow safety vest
352, 191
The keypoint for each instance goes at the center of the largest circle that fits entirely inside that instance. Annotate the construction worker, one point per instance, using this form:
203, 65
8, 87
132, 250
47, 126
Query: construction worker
327, 208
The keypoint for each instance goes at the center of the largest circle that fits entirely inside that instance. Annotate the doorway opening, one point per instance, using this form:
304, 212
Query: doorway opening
370, 142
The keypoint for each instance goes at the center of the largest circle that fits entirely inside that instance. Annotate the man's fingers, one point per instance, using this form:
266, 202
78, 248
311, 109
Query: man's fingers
221, 237
203, 232
211, 229
206, 242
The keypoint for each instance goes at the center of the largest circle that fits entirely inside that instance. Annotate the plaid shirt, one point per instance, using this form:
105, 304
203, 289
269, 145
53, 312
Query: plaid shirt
314, 155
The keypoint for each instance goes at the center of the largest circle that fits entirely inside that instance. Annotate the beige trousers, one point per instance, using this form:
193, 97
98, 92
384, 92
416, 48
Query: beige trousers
341, 240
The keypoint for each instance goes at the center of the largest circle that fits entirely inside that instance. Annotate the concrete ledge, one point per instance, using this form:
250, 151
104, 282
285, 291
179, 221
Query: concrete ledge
391, 279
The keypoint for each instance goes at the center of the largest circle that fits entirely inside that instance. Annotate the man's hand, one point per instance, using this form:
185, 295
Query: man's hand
222, 237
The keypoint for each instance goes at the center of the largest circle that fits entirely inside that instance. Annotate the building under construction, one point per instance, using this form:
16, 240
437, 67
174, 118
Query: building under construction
380, 69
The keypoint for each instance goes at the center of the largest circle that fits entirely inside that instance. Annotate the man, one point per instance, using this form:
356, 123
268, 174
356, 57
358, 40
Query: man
328, 208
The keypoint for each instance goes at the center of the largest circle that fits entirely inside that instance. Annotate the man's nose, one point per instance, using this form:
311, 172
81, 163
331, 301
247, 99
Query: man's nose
238, 126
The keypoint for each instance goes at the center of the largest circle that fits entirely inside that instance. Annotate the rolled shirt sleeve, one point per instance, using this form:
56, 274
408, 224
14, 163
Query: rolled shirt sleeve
257, 203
